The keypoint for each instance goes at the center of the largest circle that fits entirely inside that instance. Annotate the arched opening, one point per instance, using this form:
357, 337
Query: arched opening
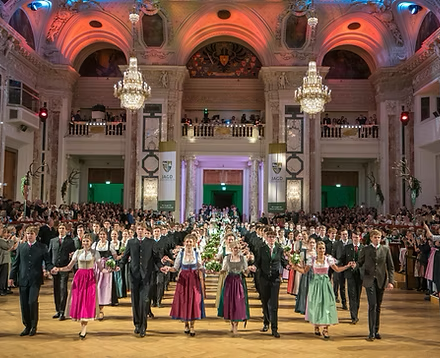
429, 25
20, 23
224, 60
345, 64
103, 63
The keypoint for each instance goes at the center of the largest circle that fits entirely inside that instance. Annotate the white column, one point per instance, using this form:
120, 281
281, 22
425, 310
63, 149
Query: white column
4, 93
384, 164
253, 190
190, 186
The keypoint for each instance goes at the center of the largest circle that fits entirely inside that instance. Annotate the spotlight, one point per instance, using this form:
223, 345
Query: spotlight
414, 9
39, 4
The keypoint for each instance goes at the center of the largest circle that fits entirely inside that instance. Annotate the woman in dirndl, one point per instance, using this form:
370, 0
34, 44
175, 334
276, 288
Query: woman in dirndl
188, 303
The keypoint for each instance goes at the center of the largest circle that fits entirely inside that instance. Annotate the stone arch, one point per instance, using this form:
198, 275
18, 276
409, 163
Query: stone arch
77, 34
371, 41
244, 26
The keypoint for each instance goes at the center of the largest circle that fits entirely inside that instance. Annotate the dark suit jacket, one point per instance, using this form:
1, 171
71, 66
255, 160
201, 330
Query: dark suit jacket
46, 234
28, 265
338, 250
270, 266
349, 255
60, 256
376, 264
145, 259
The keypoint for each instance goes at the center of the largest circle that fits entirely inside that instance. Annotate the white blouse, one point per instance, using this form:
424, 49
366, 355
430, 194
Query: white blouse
187, 260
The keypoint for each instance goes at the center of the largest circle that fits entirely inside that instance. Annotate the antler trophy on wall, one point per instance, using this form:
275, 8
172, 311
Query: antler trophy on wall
26, 181
71, 180
376, 187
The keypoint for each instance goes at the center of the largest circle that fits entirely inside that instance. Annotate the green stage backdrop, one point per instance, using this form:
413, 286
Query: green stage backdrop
210, 190
333, 196
106, 193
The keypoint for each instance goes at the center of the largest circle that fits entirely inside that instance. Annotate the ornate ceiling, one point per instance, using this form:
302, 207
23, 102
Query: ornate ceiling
383, 32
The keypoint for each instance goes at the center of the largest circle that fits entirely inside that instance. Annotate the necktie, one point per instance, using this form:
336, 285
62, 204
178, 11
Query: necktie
356, 249
61, 241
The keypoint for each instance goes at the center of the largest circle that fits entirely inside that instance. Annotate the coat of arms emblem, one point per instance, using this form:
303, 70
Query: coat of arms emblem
276, 167
167, 165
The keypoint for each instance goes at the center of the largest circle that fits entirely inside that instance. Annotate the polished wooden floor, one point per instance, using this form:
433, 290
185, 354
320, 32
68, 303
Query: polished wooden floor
410, 328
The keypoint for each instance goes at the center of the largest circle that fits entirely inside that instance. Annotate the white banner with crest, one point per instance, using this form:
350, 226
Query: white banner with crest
276, 193
167, 177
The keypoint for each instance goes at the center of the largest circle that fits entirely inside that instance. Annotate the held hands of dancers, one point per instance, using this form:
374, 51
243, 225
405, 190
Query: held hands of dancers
390, 286
252, 268
165, 269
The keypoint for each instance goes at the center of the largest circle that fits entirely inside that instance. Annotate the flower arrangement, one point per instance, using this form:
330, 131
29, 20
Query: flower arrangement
295, 259
287, 249
122, 249
376, 187
213, 266
110, 264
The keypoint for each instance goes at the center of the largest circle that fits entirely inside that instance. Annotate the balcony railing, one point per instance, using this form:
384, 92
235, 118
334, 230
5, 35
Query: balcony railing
349, 131
93, 128
223, 130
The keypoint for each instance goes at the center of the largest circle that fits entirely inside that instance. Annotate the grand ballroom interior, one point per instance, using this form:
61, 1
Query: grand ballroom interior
223, 76
267, 105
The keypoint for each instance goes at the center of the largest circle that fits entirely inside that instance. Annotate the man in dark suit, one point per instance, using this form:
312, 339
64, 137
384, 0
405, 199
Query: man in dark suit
28, 268
60, 250
353, 275
339, 277
377, 264
270, 261
145, 259
47, 232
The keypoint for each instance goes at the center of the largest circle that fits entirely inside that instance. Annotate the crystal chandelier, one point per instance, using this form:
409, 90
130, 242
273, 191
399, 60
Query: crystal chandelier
132, 90
312, 95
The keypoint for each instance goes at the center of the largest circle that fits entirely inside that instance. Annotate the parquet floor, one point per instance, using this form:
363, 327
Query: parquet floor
410, 328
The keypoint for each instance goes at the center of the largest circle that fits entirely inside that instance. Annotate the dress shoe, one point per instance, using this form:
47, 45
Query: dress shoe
151, 315
276, 334
354, 321
9, 291
33, 332
370, 338
265, 328
159, 305
56, 315
25, 332
62, 318
344, 307
136, 330
377, 336
153, 305
3, 293
142, 334
337, 300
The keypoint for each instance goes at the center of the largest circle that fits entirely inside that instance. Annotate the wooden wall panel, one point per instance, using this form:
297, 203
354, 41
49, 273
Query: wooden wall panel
229, 177
10, 173
101, 175
348, 178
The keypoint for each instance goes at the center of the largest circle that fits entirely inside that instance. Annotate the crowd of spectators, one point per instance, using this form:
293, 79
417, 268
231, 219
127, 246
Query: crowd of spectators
253, 119
415, 233
360, 120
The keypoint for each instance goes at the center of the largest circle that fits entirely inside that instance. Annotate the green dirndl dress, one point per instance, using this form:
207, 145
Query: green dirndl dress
321, 303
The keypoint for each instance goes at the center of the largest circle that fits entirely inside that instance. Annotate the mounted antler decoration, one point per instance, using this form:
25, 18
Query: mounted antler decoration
414, 184
376, 187
71, 180
26, 179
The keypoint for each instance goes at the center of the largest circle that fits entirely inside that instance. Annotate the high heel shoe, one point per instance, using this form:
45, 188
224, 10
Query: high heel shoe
325, 333
187, 330
101, 316
317, 332
82, 336
192, 333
